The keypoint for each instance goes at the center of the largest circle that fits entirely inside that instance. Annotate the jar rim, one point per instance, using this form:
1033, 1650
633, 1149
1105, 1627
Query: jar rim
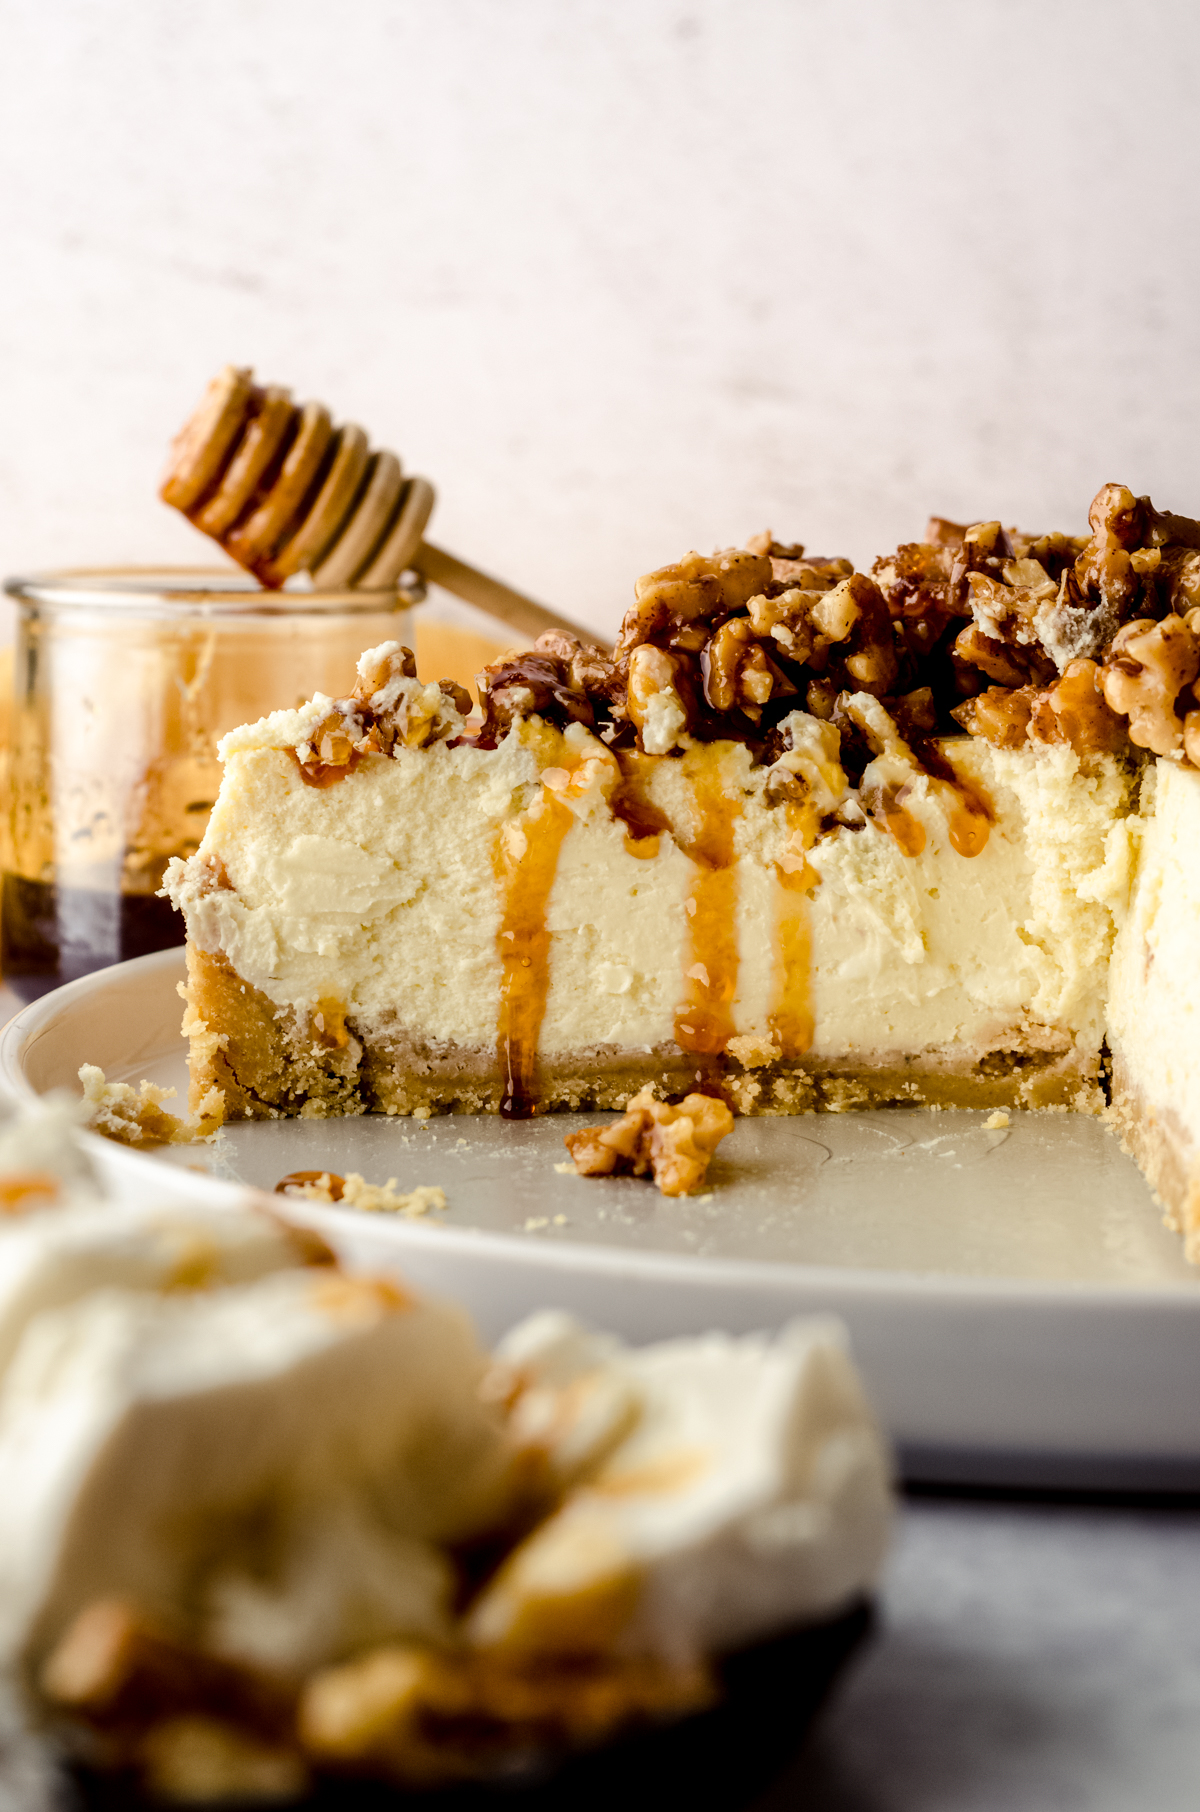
199, 591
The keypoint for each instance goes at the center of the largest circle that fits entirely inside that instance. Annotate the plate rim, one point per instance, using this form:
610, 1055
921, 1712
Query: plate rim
21, 1033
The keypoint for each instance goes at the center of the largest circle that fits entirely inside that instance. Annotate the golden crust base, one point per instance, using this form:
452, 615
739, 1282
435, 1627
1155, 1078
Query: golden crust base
269, 1065
1167, 1158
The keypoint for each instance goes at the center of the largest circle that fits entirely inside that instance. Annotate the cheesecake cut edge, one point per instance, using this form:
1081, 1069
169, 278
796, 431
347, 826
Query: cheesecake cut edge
264, 1060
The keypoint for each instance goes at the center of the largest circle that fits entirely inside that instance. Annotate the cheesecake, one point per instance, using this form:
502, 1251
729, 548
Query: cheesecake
809, 838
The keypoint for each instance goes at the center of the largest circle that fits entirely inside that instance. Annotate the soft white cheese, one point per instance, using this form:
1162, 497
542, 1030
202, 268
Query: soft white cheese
171, 1449
381, 892
1154, 1004
735, 1487
50, 1260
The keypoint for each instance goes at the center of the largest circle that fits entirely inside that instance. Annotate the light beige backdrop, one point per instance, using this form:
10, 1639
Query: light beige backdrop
622, 276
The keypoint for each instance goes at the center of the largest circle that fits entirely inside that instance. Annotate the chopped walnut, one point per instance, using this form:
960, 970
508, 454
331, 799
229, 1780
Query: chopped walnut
1000, 715
425, 1718
1105, 567
917, 583
695, 587
559, 679
985, 626
1074, 710
1006, 665
675, 1143
738, 674
1149, 666
809, 771
658, 698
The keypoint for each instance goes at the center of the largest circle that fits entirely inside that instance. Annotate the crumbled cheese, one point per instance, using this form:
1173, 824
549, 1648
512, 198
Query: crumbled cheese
135, 1116
375, 1198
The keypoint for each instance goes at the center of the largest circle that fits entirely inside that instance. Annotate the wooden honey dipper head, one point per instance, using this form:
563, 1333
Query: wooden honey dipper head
284, 491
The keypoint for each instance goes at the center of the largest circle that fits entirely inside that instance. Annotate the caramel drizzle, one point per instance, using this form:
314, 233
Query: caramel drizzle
973, 815
704, 1022
296, 1179
885, 807
969, 823
524, 862
644, 822
792, 1020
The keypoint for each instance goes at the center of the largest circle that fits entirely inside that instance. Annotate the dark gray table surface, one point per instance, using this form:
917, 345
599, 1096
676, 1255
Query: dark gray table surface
1032, 1657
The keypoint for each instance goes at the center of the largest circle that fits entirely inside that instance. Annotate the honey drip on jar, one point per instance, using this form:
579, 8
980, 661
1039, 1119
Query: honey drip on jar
704, 1023
524, 862
792, 1017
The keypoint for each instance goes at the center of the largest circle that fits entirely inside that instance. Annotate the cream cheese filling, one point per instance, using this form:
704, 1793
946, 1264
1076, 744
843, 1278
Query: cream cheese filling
383, 892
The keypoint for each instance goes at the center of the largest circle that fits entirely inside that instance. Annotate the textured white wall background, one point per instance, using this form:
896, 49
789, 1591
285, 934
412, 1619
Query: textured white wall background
622, 276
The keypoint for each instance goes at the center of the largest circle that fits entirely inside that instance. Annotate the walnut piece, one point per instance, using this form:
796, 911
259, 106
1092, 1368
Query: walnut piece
738, 674
1149, 667
559, 679
1073, 710
658, 698
694, 587
675, 1143
1000, 715
424, 1719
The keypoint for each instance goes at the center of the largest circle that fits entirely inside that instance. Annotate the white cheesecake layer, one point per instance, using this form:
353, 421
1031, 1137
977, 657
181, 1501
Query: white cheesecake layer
1154, 999
380, 892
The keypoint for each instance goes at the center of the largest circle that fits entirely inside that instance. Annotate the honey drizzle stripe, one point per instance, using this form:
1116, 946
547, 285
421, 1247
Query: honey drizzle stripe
704, 1022
525, 862
792, 1019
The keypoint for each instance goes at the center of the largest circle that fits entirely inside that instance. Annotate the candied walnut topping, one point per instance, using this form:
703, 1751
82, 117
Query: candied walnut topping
1020, 639
674, 1143
694, 588
388, 710
1150, 671
560, 679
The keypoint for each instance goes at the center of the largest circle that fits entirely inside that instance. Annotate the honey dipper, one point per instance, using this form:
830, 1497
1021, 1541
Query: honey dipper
284, 491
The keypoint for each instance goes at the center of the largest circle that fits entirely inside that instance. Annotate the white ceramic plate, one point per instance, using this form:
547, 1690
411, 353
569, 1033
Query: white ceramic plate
1019, 1311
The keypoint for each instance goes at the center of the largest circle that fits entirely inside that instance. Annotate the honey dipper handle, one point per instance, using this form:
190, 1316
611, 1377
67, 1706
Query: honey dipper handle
512, 607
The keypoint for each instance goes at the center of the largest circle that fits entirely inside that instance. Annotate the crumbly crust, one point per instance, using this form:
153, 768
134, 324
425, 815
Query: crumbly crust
269, 1065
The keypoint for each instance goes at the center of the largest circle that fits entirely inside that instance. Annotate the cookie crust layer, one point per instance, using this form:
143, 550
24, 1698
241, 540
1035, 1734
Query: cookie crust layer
270, 1064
